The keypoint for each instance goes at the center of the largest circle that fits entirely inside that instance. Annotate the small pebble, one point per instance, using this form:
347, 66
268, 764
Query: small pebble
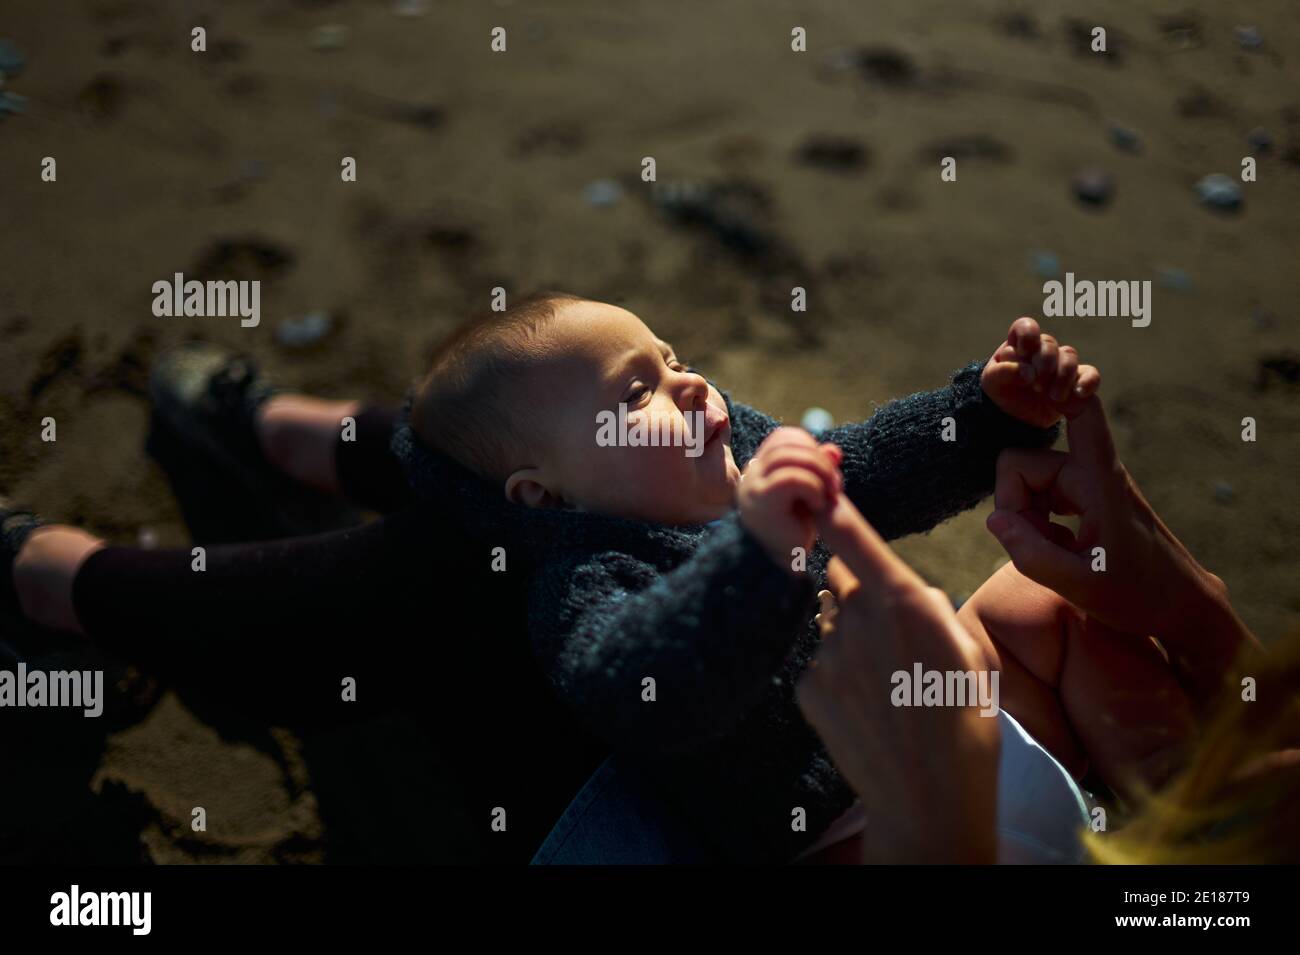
602, 192
301, 332
12, 102
11, 59
1223, 492
816, 420
841, 59
1175, 279
1093, 186
1249, 38
1259, 139
330, 36
1125, 138
147, 538
1046, 264
1219, 191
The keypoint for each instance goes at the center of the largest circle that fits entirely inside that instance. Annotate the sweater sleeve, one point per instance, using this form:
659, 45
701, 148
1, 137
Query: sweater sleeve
710, 633
903, 475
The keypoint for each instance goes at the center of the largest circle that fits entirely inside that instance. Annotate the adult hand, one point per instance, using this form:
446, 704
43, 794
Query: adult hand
1150, 584
926, 776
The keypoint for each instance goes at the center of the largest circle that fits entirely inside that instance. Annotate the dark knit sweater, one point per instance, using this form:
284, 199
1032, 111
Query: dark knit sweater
723, 630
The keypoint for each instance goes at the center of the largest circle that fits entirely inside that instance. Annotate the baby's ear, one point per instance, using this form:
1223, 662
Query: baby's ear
525, 487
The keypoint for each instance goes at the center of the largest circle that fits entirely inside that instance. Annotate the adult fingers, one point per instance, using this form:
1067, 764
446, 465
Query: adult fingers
1023, 472
841, 580
1089, 381
1085, 387
1089, 432
1040, 559
878, 569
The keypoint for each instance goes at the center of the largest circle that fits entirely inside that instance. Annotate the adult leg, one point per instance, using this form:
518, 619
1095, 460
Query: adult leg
214, 405
366, 470
277, 624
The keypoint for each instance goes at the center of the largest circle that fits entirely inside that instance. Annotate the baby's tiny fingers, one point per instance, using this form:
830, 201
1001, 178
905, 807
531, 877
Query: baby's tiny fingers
1067, 369
1044, 363
813, 460
792, 486
786, 437
1024, 336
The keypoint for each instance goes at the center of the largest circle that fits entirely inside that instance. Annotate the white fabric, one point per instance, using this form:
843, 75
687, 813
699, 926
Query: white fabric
1041, 811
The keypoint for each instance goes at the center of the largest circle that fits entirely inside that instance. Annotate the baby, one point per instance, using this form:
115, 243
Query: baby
672, 598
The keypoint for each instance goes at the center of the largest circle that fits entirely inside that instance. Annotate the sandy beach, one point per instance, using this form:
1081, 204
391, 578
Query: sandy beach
522, 170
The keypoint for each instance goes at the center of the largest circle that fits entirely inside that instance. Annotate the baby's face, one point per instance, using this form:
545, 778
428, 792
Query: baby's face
599, 357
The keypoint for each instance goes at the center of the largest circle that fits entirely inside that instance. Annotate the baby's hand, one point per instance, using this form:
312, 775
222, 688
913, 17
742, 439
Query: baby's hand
790, 478
1033, 378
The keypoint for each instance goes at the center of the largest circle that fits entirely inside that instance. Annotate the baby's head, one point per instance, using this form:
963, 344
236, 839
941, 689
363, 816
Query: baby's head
519, 398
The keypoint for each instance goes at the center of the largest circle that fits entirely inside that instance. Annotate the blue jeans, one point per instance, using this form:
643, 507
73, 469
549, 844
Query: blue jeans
617, 820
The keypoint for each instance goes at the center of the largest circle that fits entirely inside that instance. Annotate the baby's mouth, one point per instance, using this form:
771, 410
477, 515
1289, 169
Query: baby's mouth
717, 428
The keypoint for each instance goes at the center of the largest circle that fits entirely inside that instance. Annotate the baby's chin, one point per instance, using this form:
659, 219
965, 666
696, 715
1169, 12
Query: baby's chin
722, 496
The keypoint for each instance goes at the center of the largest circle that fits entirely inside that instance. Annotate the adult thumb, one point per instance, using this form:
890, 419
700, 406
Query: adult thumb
1037, 557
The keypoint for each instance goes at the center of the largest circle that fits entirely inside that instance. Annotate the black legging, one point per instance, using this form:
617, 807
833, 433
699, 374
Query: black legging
406, 605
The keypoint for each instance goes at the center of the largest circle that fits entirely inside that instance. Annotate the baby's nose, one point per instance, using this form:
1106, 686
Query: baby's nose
696, 392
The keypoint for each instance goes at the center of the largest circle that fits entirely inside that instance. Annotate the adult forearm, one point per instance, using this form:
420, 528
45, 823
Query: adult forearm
1196, 623
1204, 635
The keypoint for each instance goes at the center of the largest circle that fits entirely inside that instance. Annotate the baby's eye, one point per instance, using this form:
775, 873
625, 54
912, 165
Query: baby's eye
638, 392
675, 365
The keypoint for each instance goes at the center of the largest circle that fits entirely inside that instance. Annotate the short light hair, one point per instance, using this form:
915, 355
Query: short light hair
469, 404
